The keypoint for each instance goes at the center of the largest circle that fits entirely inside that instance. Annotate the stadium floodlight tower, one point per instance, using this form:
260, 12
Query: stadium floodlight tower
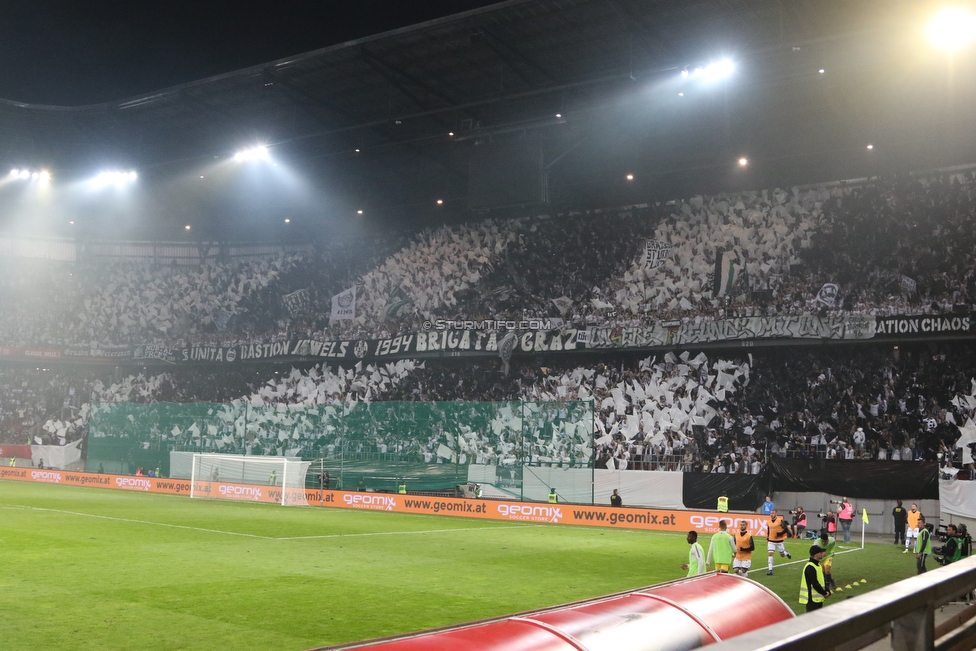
249, 478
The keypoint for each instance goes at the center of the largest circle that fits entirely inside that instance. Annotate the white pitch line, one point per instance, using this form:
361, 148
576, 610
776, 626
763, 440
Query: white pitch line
158, 524
846, 551
404, 533
251, 535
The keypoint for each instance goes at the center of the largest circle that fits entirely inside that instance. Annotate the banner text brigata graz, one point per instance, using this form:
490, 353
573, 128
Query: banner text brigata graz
441, 341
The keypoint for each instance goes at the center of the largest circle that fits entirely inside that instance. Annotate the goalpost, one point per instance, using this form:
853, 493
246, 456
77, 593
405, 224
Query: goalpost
244, 477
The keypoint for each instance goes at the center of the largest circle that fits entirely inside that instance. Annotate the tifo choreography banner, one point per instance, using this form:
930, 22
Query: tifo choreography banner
449, 338
592, 516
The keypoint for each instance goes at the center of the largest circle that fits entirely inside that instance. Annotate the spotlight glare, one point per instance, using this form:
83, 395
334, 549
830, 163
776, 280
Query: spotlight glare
14, 172
681, 94
24, 174
743, 161
34, 175
72, 222
719, 69
630, 177
287, 221
359, 212
684, 73
870, 146
821, 71
440, 202
44, 175
259, 152
187, 227
450, 133
952, 29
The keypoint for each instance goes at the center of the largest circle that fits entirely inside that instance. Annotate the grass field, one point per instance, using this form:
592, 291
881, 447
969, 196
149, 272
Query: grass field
84, 568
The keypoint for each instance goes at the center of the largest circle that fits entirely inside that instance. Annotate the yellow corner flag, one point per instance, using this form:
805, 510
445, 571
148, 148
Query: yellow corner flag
864, 516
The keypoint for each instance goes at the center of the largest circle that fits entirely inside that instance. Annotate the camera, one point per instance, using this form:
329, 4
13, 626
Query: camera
836, 501
821, 515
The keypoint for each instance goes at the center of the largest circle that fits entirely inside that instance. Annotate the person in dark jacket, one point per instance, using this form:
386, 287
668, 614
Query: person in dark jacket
900, 515
812, 590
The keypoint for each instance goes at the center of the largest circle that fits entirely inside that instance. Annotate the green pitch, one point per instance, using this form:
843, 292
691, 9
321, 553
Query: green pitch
94, 569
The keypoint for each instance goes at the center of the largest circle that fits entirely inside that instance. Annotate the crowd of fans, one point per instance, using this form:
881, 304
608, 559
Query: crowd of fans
901, 246
703, 413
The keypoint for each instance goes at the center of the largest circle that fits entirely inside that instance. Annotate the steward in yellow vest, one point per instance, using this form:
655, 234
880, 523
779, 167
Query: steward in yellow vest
812, 590
402, 489
723, 504
553, 498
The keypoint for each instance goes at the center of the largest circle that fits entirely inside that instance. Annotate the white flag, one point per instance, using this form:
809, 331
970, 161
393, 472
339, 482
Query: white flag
344, 305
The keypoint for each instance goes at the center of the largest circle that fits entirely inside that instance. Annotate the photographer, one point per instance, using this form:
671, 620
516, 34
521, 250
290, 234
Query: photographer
799, 521
958, 545
828, 523
845, 513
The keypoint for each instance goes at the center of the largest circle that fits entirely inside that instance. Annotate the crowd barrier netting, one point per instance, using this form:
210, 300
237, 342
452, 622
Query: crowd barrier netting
368, 446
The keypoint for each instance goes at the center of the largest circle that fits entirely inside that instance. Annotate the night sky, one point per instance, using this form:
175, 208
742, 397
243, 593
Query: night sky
77, 52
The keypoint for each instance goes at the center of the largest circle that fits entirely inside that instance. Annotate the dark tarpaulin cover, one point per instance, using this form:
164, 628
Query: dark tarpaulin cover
701, 491
881, 480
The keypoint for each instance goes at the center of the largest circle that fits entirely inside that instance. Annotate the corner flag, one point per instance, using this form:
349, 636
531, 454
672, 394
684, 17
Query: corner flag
864, 516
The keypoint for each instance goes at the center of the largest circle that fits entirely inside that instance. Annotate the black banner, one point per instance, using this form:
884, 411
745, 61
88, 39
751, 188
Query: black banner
701, 491
882, 480
945, 325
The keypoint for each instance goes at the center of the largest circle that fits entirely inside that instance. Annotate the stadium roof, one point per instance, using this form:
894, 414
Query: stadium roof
365, 125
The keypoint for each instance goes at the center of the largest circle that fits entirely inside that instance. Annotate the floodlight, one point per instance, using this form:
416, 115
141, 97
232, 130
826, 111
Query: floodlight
187, 227
114, 177
14, 172
359, 212
287, 221
684, 73
44, 175
821, 71
630, 177
870, 146
952, 29
681, 94
440, 201
719, 69
743, 161
260, 152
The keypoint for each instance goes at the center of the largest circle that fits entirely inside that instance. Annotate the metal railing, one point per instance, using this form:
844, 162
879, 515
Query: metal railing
904, 610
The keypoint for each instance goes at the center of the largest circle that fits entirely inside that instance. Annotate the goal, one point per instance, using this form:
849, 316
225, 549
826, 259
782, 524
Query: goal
249, 478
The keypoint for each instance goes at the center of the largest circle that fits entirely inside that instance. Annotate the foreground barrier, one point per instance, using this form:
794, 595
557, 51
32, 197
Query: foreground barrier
592, 516
903, 612
682, 614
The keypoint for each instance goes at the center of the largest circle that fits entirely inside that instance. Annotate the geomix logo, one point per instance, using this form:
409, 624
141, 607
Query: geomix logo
534, 513
46, 475
127, 482
370, 501
757, 526
241, 491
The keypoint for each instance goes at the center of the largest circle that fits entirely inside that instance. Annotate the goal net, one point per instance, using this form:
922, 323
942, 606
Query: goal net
249, 478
